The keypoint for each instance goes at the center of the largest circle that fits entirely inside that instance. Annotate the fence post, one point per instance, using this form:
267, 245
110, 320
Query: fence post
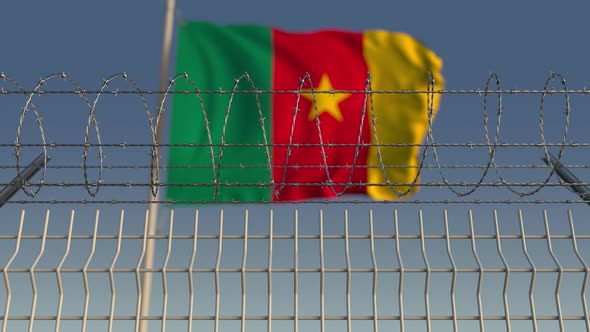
153, 205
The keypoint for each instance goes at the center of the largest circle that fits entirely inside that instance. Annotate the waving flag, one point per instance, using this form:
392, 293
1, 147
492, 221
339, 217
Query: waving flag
219, 151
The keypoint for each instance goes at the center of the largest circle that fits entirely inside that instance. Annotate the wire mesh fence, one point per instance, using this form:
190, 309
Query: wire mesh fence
492, 240
326, 271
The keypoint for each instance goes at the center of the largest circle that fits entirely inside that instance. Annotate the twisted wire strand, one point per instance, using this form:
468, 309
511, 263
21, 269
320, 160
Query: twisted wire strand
542, 128
91, 119
223, 131
28, 103
479, 92
348, 184
154, 149
154, 119
300, 184
205, 119
470, 145
17, 142
491, 149
379, 154
426, 166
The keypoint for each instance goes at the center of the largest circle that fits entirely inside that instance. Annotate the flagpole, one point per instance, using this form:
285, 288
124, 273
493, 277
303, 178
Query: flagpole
153, 205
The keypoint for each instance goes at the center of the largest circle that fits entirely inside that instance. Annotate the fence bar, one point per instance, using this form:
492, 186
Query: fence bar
5, 271
533, 275
375, 270
243, 272
217, 265
427, 279
480, 268
507, 274
348, 273
296, 271
191, 272
322, 275
137, 271
401, 273
112, 274
559, 275
269, 274
164, 268
58, 273
454, 278
32, 272
586, 267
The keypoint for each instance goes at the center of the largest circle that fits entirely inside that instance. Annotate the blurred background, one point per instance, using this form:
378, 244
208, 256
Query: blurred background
522, 42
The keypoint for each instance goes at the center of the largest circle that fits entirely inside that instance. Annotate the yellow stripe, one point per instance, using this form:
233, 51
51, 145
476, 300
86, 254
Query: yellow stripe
397, 61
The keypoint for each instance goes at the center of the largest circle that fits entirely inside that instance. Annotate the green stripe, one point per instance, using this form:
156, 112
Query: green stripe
214, 56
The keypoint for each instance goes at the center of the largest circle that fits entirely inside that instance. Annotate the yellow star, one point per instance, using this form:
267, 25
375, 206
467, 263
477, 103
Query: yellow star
326, 102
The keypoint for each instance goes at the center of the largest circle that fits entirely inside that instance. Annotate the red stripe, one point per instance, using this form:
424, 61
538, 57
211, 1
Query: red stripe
338, 54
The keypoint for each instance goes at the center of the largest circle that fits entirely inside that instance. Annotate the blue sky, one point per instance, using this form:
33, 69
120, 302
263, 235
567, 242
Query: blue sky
522, 41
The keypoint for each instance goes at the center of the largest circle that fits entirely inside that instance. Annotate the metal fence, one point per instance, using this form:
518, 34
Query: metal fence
493, 240
300, 275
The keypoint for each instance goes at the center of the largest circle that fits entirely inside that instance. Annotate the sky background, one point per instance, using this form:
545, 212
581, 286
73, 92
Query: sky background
523, 42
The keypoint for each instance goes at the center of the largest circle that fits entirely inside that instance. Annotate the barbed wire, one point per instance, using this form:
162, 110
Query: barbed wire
217, 145
297, 145
427, 166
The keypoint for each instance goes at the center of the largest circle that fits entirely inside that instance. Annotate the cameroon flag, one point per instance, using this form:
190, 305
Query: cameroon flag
316, 139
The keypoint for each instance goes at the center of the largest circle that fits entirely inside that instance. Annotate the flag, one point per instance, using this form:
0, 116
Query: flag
235, 147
